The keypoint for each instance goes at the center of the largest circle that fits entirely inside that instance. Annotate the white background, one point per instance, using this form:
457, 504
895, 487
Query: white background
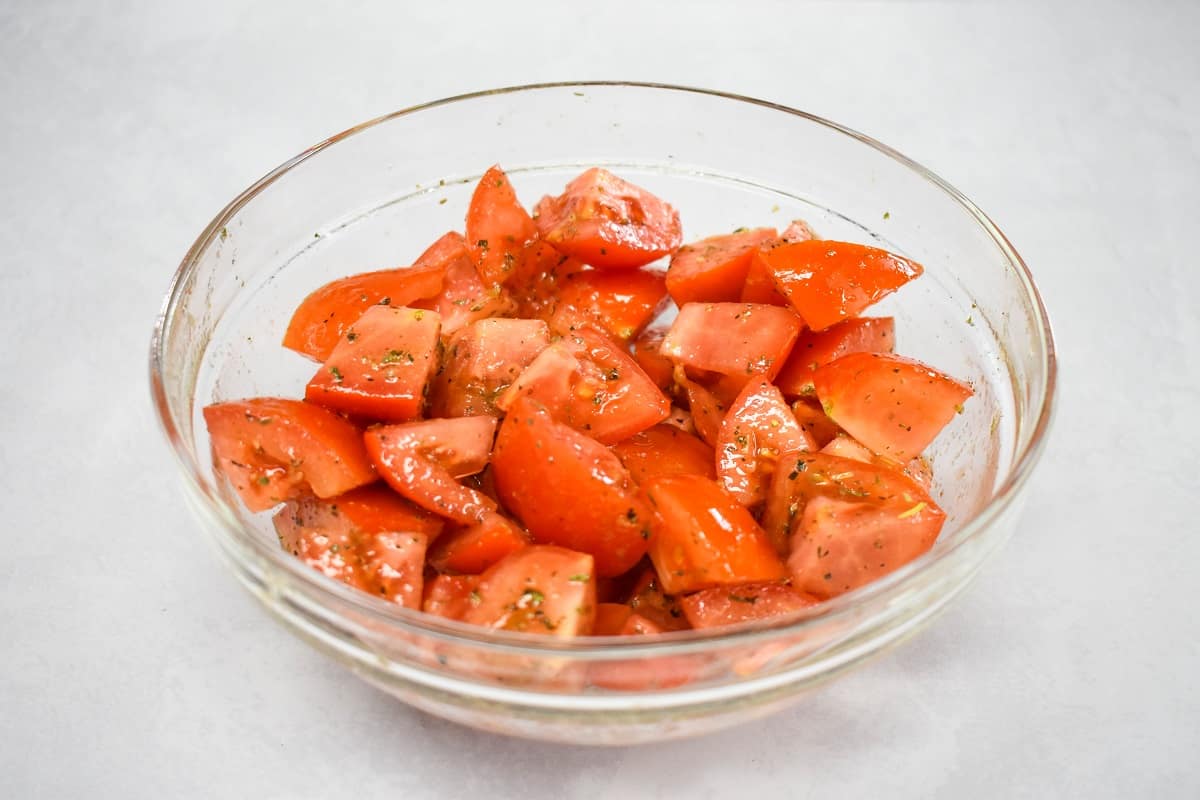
131, 665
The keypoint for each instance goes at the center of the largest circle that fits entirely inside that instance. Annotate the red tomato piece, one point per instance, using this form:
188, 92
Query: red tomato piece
540, 589
814, 348
664, 450
365, 510
618, 303
758, 429
827, 282
611, 619
320, 322
657, 367
394, 566
381, 367
760, 283
322, 540
540, 273
703, 537
422, 461
643, 674
706, 409
798, 231
608, 222
464, 297
474, 548
481, 361
732, 338
732, 605
648, 601
272, 449
814, 421
845, 446
450, 596
498, 228
894, 405
568, 489
713, 270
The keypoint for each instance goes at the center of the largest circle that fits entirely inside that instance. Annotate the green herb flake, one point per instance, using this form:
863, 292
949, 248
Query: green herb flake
582, 577
336, 373
737, 598
475, 597
532, 597
263, 480
397, 357
887, 215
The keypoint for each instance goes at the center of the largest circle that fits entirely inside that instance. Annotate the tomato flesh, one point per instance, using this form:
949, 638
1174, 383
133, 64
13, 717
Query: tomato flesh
815, 348
664, 450
758, 429
474, 548
450, 596
619, 303
540, 589
732, 338
714, 270
481, 361
657, 367
464, 298
733, 605
498, 228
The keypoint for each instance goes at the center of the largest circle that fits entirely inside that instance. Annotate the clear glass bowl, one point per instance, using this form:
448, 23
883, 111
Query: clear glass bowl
374, 196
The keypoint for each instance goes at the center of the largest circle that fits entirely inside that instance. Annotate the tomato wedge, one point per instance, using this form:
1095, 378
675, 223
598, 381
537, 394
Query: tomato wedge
894, 405
758, 429
713, 270
568, 489
815, 348
657, 367
706, 409
464, 297
272, 449
608, 222
664, 450
450, 596
815, 422
540, 589
481, 361
732, 338
732, 605
827, 282
474, 548
394, 566
539, 274
365, 510
703, 537
798, 231
619, 303
498, 227
648, 600
846, 446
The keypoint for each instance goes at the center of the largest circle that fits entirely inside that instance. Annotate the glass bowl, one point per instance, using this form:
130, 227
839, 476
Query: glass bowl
377, 194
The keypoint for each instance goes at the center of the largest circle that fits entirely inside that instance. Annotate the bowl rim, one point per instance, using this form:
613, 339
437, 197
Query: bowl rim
413, 621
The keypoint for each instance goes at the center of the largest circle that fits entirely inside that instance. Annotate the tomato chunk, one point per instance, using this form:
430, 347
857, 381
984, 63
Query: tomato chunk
706, 409
450, 596
760, 283
481, 361
815, 422
758, 429
568, 489
498, 227
394, 565
540, 589
464, 297
648, 601
846, 446
815, 348
611, 619
894, 405
422, 461
827, 282
732, 338
608, 222
798, 231
474, 548
703, 537
619, 303
713, 270
540, 273
272, 449
657, 367
365, 510
732, 605
664, 450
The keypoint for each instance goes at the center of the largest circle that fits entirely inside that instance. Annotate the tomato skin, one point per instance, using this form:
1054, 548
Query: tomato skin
497, 228
394, 564
894, 405
732, 338
540, 589
657, 367
815, 348
664, 450
608, 222
481, 361
827, 282
422, 460
273, 449
474, 548
714, 269
568, 489
619, 303
464, 297
758, 429
732, 605
450, 596
320, 322
703, 537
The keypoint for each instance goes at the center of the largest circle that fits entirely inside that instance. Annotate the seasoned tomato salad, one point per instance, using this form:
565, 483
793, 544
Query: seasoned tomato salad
506, 433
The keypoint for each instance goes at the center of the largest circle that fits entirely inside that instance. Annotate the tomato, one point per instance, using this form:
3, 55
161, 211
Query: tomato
896, 406
618, 303
320, 322
394, 566
706, 409
422, 460
657, 367
681, 419
481, 361
589, 383
322, 540
608, 222
758, 429
815, 348
540, 589
815, 423
760, 283
450, 596
827, 282
664, 450
703, 537
464, 297
539, 274
713, 270
648, 601
731, 605
611, 619
474, 548
798, 231
272, 449
367, 509
732, 338
381, 367
568, 489
637, 675
845, 446
498, 227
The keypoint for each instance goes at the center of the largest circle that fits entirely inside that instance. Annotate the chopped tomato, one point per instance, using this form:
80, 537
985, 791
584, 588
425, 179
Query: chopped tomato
568, 489
703, 537
760, 283
846, 447
464, 297
450, 596
894, 405
498, 227
481, 361
608, 222
474, 548
321, 540
657, 367
648, 600
798, 231
643, 674
814, 421
320, 322
827, 282
681, 419
365, 510
422, 461
381, 367
815, 348
706, 409
758, 429
731, 605
713, 270
618, 303
540, 273
273, 449
611, 619
394, 566
539, 589
664, 450
732, 338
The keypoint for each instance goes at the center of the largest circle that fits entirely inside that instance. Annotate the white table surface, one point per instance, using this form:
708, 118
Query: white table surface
132, 665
